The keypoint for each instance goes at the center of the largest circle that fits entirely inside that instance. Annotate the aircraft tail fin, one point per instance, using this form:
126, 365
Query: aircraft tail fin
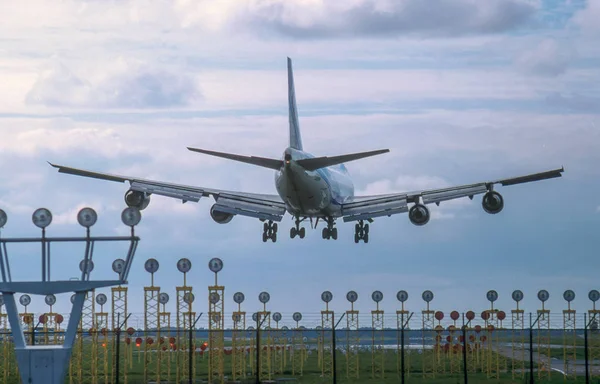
321, 162
254, 160
295, 138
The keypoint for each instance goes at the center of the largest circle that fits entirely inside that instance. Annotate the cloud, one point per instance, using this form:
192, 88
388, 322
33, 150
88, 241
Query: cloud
131, 87
377, 18
548, 58
574, 103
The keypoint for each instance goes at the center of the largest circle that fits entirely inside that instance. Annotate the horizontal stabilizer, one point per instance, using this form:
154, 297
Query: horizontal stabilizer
260, 161
321, 162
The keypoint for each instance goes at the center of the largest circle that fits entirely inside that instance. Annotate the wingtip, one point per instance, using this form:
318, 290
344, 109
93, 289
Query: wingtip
53, 165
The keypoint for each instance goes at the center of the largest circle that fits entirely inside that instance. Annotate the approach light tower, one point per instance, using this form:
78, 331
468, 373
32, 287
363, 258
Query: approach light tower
56, 358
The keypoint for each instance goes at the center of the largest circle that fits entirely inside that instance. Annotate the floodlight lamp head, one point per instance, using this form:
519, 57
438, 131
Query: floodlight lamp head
163, 298
402, 296
151, 265
101, 299
492, 296
594, 295
352, 296
236, 317
214, 297
25, 300
543, 295
297, 316
215, 264
569, 295
3, 218
50, 300
73, 299
131, 216
377, 296
118, 265
264, 297
517, 295
184, 265
427, 296
87, 217
255, 316
41, 218
188, 297
326, 296
277, 317
86, 266
238, 297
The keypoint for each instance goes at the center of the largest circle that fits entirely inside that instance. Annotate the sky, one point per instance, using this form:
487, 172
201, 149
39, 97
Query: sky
460, 91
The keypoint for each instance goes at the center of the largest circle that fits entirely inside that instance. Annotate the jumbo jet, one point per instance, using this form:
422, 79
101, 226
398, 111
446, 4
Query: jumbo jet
310, 187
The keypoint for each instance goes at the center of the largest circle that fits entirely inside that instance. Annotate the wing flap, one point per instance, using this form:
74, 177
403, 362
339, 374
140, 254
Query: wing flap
181, 194
533, 177
453, 194
373, 208
251, 209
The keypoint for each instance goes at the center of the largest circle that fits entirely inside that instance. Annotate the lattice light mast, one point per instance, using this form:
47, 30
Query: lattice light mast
216, 325
493, 358
238, 364
518, 337
326, 336
402, 317
544, 358
26, 317
182, 319
594, 340
57, 356
264, 317
378, 338
164, 323
50, 323
151, 309
278, 346
102, 340
429, 361
569, 335
118, 316
297, 346
352, 338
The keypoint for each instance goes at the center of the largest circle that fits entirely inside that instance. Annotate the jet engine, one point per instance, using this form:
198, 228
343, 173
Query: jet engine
219, 216
492, 202
419, 214
137, 199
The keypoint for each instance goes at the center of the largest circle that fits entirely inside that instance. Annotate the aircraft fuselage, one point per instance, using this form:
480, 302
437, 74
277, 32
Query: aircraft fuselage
318, 193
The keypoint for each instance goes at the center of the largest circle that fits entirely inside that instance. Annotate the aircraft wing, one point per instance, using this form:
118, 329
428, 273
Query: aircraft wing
261, 206
368, 207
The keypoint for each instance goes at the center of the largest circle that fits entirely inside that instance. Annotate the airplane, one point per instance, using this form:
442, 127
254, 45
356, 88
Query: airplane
310, 187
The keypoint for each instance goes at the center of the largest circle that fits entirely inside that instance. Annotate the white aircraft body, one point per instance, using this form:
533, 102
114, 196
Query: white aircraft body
310, 187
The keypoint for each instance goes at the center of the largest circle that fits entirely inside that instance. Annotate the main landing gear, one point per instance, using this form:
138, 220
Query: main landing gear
297, 230
330, 232
361, 232
269, 231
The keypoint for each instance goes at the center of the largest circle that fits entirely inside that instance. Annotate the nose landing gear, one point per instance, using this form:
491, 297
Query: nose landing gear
361, 232
269, 231
330, 232
297, 230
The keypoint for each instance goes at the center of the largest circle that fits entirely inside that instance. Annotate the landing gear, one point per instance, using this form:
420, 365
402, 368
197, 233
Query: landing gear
361, 232
297, 230
269, 231
330, 232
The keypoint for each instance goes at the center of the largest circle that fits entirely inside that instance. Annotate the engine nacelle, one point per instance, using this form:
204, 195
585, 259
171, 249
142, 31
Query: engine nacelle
419, 214
219, 216
137, 199
492, 202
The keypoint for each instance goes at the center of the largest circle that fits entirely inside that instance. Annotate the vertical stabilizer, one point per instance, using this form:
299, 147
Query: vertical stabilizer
295, 138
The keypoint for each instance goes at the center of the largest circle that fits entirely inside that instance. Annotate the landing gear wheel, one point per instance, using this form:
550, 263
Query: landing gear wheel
361, 232
334, 233
330, 232
293, 233
325, 233
297, 230
302, 232
269, 231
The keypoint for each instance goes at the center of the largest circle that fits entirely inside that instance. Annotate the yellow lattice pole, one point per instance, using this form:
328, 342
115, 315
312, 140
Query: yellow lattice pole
428, 359
151, 308
352, 338
238, 363
439, 362
569, 336
402, 318
491, 322
592, 328
252, 346
543, 337
118, 316
264, 318
216, 326
518, 338
297, 347
454, 345
184, 294
164, 343
378, 341
277, 346
84, 365
326, 337
101, 321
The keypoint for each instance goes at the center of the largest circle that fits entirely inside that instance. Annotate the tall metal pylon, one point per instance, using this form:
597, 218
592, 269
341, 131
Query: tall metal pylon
238, 364
264, 318
569, 336
402, 317
216, 325
378, 339
184, 310
594, 337
165, 348
428, 359
518, 337
118, 316
151, 309
352, 338
101, 334
326, 336
543, 324
297, 347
